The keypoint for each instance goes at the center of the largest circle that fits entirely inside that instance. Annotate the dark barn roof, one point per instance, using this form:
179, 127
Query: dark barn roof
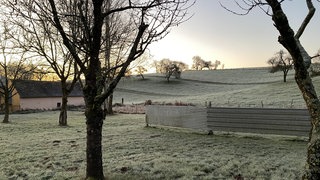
37, 89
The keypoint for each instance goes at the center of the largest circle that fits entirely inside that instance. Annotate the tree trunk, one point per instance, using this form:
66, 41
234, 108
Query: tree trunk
64, 110
285, 76
301, 61
6, 108
312, 170
64, 103
109, 105
94, 118
6, 111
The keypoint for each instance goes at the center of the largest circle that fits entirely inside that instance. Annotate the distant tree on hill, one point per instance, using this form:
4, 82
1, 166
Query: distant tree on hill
141, 65
181, 65
315, 66
170, 68
141, 70
200, 64
281, 62
173, 70
162, 65
216, 64
197, 63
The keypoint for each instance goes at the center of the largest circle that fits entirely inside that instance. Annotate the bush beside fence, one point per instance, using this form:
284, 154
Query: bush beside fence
249, 120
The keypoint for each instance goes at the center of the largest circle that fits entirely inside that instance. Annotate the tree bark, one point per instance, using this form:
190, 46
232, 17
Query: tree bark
64, 110
285, 73
64, 103
6, 108
94, 123
109, 105
301, 61
93, 87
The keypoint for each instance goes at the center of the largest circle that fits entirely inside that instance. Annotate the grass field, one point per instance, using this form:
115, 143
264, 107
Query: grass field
224, 88
33, 146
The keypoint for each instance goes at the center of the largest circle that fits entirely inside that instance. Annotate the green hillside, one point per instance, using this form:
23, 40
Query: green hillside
253, 87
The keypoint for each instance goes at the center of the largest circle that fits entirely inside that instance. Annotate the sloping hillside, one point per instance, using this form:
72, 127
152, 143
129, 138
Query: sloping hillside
231, 87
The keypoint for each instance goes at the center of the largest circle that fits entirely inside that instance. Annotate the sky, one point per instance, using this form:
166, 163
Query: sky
237, 41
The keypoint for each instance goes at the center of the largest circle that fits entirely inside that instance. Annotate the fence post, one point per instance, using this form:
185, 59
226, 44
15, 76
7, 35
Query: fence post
147, 120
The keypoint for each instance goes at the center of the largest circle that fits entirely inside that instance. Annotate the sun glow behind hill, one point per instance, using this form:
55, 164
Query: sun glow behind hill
237, 41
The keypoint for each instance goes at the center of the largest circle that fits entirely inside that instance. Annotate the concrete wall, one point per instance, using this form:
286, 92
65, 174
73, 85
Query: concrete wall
260, 120
177, 116
248, 120
48, 103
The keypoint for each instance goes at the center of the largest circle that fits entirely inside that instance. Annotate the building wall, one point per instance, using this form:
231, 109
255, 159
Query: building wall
14, 101
48, 103
15, 105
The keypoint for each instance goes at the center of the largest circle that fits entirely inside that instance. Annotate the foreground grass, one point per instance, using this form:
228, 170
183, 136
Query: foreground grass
33, 146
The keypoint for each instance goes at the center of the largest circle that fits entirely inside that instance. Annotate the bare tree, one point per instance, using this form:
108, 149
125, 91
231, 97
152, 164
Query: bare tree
173, 70
41, 39
216, 64
141, 65
11, 68
281, 62
42, 72
200, 64
302, 61
161, 65
152, 20
118, 31
315, 66
170, 68
141, 70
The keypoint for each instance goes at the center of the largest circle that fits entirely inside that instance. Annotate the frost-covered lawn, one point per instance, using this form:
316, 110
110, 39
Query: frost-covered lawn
34, 147
224, 88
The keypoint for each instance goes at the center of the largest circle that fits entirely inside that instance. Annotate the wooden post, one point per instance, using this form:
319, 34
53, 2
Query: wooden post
122, 101
147, 121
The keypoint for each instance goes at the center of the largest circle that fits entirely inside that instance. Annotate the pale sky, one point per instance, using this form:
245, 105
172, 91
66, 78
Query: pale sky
237, 41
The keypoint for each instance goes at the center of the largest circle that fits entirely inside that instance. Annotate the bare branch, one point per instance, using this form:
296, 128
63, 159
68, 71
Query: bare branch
315, 56
247, 7
307, 19
65, 38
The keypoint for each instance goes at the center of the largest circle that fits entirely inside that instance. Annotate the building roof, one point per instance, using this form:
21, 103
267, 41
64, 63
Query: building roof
39, 89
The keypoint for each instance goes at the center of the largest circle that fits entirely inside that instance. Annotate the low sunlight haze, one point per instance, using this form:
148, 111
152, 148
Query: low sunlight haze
213, 33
